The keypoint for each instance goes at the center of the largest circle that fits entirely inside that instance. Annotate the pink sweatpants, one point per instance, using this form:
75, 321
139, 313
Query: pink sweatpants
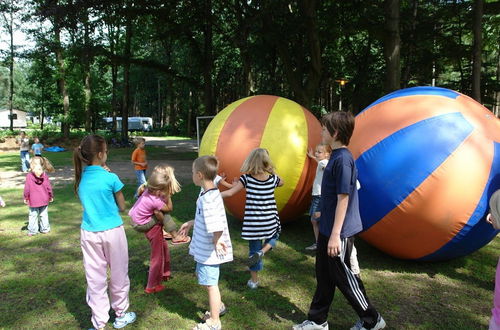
159, 261
101, 250
495, 312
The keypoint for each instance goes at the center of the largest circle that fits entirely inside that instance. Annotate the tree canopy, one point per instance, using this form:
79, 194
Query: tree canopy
175, 60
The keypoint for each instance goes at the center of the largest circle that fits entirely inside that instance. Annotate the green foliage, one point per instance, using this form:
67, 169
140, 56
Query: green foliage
187, 57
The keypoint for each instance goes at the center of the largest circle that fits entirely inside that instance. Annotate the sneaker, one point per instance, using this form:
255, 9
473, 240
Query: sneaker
206, 326
310, 325
358, 325
252, 285
254, 258
207, 315
379, 325
312, 247
126, 319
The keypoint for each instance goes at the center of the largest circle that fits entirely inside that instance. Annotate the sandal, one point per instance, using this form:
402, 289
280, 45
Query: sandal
184, 240
222, 311
167, 235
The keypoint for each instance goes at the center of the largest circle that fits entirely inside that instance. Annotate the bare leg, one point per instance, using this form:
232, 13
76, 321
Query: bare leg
214, 301
255, 276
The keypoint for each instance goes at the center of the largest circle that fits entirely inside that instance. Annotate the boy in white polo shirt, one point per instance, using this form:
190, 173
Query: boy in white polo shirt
211, 244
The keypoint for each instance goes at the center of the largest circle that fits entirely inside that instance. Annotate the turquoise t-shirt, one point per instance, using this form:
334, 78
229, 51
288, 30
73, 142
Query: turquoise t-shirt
96, 192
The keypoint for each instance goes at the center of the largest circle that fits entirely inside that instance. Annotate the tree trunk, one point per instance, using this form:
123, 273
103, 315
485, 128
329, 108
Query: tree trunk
392, 46
61, 80
126, 79
86, 76
208, 61
476, 52
11, 66
412, 46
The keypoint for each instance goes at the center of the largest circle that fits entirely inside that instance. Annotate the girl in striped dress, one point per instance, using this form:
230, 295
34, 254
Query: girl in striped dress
261, 224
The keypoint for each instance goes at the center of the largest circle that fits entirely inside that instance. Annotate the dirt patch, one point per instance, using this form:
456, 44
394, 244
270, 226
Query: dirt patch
65, 174
124, 170
8, 145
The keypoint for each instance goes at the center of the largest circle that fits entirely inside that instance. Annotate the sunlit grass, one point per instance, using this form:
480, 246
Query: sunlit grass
42, 282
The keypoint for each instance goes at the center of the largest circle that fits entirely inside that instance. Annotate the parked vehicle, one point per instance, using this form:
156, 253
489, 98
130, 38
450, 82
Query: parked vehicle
144, 124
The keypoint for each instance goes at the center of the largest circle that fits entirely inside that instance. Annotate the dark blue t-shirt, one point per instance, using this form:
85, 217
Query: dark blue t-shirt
340, 177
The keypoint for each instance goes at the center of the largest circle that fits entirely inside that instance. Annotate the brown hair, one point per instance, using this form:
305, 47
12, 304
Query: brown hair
162, 179
341, 123
85, 153
258, 161
43, 162
207, 166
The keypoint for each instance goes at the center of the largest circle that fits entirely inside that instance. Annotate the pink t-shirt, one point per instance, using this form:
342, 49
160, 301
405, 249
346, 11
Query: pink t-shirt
144, 208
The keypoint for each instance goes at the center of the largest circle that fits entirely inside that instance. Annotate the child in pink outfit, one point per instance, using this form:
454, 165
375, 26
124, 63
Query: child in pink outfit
37, 195
150, 215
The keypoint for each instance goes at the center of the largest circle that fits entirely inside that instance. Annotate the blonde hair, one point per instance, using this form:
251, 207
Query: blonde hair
139, 140
162, 179
326, 147
43, 162
258, 161
207, 166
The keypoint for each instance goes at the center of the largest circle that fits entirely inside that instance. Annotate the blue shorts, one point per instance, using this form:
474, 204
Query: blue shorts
314, 206
256, 245
207, 274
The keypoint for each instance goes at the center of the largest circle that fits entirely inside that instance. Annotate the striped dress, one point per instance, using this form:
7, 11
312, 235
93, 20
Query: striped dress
261, 219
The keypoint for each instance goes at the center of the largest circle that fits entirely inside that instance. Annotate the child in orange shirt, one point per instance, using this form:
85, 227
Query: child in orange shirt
139, 161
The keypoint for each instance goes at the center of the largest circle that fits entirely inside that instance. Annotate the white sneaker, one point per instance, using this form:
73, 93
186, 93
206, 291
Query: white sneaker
252, 285
310, 325
312, 247
379, 325
124, 320
358, 325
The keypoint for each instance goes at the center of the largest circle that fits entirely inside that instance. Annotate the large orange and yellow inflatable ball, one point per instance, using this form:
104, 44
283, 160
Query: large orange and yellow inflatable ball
279, 125
428, 160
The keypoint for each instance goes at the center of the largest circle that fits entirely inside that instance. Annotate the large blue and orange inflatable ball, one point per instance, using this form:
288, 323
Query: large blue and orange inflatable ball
428, 161
285, 129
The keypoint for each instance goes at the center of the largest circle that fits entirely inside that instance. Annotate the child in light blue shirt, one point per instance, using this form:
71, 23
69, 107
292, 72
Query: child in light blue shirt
37, 147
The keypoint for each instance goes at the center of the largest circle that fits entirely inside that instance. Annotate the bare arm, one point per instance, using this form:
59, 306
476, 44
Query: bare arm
334, 244
281, 182
120, 200
168, 207
231, 192
220, 246
185, 228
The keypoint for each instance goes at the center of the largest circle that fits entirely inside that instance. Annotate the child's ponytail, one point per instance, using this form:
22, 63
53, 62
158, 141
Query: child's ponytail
88, 149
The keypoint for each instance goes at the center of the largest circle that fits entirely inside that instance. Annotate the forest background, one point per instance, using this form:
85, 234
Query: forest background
179, 59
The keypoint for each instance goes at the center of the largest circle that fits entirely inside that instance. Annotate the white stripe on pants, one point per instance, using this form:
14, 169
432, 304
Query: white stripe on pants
101, 250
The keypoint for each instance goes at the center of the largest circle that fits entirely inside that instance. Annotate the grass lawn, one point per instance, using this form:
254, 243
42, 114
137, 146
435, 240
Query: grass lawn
42, 282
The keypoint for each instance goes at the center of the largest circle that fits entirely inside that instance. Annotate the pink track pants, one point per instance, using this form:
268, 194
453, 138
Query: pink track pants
101, 250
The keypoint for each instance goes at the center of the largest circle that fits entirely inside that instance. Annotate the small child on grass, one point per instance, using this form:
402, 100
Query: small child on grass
38, 194
211, 244
139, 160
